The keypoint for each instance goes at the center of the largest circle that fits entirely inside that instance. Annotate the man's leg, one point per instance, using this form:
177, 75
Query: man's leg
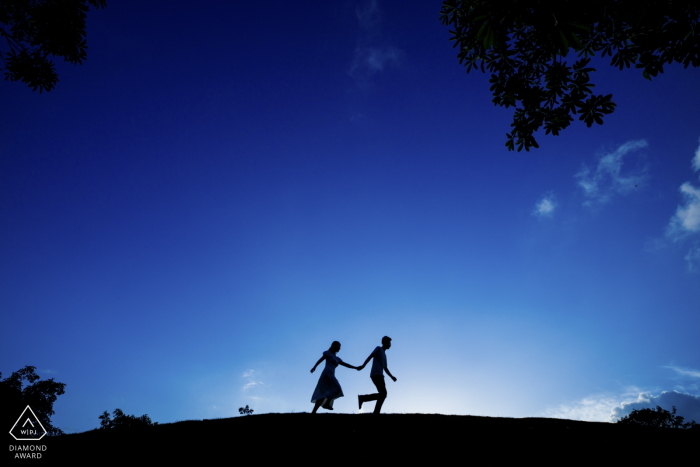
381, 389
367, 398
379, 396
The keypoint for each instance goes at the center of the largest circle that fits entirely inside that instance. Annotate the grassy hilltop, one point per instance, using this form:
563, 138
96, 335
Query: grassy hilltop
348, 438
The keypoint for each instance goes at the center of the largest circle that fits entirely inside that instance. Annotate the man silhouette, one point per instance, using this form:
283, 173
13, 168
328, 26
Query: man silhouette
377, 375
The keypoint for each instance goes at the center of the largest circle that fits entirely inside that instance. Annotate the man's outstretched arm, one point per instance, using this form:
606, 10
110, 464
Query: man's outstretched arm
368, 359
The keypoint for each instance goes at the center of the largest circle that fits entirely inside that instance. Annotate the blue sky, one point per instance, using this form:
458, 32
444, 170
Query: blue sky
194, 214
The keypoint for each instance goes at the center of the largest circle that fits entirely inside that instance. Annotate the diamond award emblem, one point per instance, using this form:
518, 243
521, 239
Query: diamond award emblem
28, 427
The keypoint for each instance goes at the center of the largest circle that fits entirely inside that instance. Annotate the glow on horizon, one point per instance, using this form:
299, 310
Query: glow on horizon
185, 241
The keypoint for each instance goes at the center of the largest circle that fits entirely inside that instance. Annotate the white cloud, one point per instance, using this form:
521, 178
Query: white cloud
253, 379
687, 217
685, 223
589, 409
600, 185
610, 408
368, 14
684, 372
372, 55
693, 259
546, 206
687, 405
376, 58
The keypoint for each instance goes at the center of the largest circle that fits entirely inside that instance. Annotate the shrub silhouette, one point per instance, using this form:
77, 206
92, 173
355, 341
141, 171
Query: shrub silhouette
245, 410
658, 418
121, 421
39, 395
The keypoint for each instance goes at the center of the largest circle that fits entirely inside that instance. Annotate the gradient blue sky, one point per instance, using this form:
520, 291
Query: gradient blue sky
194, 214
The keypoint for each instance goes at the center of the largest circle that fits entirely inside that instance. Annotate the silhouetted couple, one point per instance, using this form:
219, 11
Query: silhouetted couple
328, 389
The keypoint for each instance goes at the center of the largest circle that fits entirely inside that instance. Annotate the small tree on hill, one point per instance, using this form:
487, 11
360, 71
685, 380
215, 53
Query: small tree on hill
121, 420
658, 418
245, 410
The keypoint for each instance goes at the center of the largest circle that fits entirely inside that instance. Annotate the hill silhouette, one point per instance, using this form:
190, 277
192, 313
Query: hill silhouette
354, 439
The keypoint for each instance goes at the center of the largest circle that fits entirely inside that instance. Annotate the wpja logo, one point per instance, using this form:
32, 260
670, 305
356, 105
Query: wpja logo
28, 428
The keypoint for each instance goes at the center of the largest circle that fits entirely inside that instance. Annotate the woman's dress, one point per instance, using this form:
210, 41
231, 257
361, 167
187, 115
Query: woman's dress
328, 388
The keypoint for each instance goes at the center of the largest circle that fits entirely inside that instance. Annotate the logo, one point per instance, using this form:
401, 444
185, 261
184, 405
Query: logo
28, 427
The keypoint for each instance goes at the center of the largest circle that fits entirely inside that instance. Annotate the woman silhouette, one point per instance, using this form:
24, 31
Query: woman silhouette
328, 388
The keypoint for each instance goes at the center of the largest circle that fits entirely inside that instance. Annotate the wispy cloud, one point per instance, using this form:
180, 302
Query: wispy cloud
252, 379
374, 59
693, 259
601, 184
372, 53
685, 372
596, 408
545, 207
687, 218
685, 223
50, 372
687, 379
368, 14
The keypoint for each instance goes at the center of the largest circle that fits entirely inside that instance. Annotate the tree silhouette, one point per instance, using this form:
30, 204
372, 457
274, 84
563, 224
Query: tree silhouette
245, 410
39, 395
658, 418
523, 45
34, 30
122, 420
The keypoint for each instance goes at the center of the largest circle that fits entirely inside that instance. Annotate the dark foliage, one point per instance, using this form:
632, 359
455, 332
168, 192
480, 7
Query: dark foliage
245, 410
39, 395
523, 43
658, 418
35, 30
121, 421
